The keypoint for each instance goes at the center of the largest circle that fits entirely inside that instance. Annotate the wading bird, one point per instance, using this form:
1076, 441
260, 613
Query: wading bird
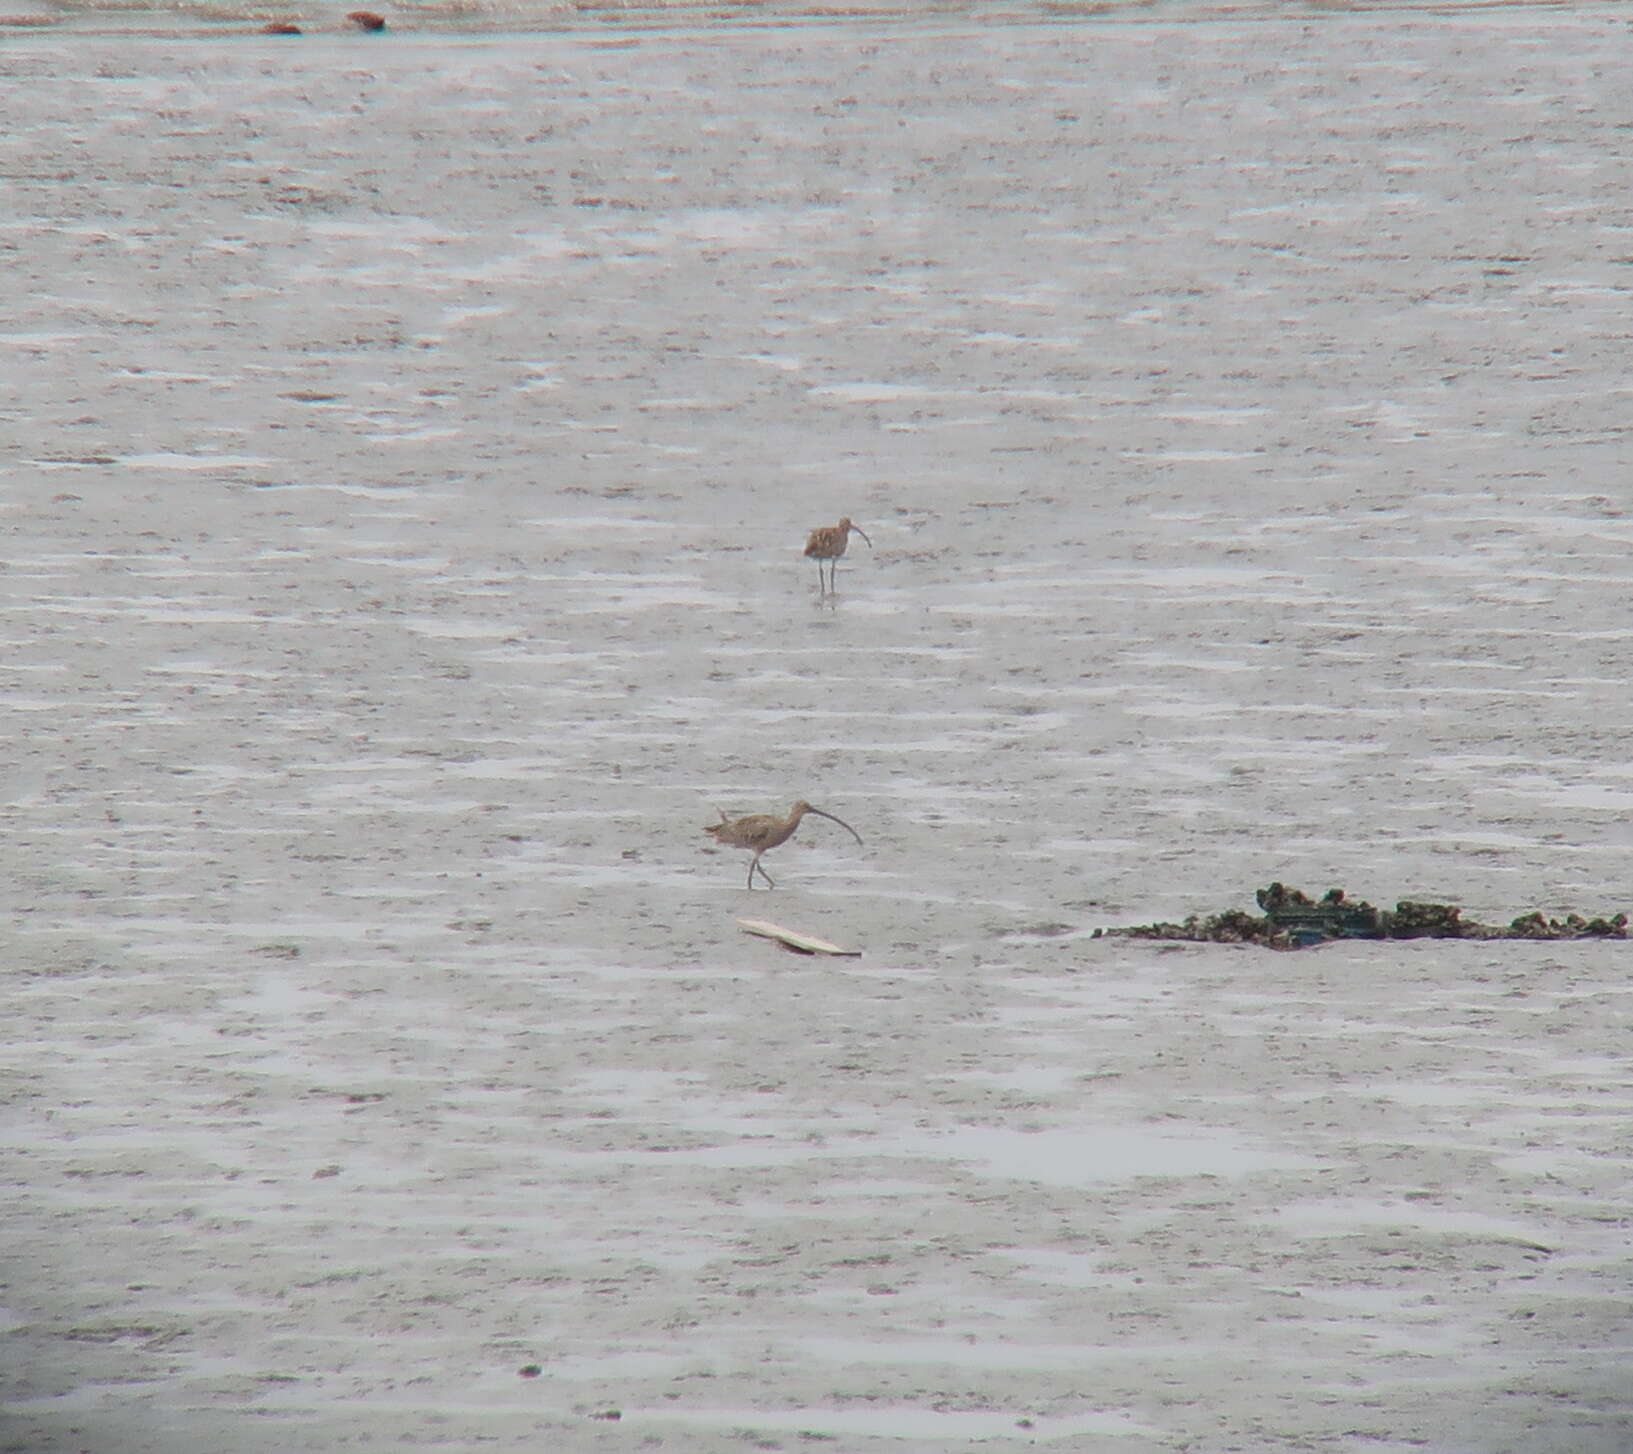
827, 543
761, 832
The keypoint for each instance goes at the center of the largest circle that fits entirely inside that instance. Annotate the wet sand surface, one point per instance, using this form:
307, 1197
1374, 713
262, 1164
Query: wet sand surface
407, 454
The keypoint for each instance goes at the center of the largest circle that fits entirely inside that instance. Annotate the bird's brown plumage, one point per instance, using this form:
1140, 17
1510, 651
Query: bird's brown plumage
760, 832
828, 542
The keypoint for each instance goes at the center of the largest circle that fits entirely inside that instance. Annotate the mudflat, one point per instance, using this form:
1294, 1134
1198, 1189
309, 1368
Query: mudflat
408, 451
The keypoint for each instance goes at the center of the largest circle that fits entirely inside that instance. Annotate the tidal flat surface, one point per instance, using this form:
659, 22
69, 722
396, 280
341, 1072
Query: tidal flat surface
407, 450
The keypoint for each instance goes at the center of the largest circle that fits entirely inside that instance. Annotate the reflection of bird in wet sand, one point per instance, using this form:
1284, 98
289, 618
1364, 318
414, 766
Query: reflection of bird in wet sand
828, 542
761, 832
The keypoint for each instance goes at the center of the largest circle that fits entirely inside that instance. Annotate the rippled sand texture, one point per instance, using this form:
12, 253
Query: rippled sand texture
408, 449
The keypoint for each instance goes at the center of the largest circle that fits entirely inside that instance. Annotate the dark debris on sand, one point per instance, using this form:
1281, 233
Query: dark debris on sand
1292, 920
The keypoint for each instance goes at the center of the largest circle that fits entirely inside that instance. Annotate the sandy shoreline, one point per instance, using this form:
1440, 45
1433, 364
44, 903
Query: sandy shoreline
406, 466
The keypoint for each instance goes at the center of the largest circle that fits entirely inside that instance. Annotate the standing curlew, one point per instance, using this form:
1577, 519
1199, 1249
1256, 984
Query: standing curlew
762, 832
827, 543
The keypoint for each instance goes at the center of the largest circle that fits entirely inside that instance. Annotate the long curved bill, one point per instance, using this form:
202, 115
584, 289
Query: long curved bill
842, 823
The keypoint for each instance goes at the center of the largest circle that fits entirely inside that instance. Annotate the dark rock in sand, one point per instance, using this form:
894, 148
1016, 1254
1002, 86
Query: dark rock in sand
1292, 920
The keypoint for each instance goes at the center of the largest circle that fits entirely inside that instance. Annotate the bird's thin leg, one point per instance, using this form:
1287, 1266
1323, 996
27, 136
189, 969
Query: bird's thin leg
763, 873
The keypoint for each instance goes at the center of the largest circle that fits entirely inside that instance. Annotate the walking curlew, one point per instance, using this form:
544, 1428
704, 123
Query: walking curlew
827, 543
762, 832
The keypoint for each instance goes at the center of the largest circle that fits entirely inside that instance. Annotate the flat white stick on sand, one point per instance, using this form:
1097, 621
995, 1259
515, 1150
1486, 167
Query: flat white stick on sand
804, 943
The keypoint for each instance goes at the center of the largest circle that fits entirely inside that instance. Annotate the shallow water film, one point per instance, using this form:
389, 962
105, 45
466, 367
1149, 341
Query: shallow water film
409, 445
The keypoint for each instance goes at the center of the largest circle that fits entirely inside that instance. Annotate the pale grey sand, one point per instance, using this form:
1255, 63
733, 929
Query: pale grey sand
408, 453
